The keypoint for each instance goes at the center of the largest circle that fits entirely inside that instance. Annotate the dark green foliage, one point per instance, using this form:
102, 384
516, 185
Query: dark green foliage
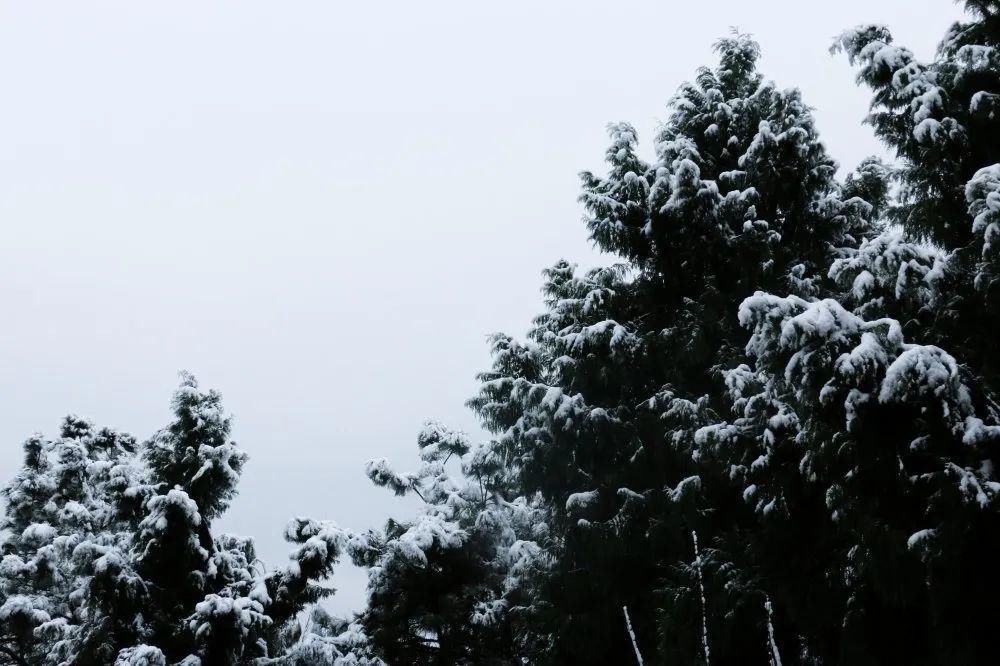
597, 414
855, 475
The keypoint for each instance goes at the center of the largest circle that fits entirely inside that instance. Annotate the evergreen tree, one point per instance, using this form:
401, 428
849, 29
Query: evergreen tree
60, 500
450, 586
110, 557
864, 445
866, 423
595, 415
942, 120
836, 507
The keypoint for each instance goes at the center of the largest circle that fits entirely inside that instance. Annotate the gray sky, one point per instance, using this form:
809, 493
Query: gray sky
322, 208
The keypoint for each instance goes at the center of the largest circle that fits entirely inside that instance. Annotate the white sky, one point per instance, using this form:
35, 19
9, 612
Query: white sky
322, 208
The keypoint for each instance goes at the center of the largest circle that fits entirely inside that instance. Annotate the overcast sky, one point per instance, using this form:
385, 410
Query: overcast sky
322, 208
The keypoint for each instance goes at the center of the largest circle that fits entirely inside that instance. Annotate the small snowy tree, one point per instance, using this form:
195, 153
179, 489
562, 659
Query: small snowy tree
110, 557
60, 502
450, 586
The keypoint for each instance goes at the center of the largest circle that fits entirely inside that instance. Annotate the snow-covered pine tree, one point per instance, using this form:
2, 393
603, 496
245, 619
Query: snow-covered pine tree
60, 499
193, 470
866, 458
109, 555
867, 424
597, 412
451, 585
324, 640
942, 120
